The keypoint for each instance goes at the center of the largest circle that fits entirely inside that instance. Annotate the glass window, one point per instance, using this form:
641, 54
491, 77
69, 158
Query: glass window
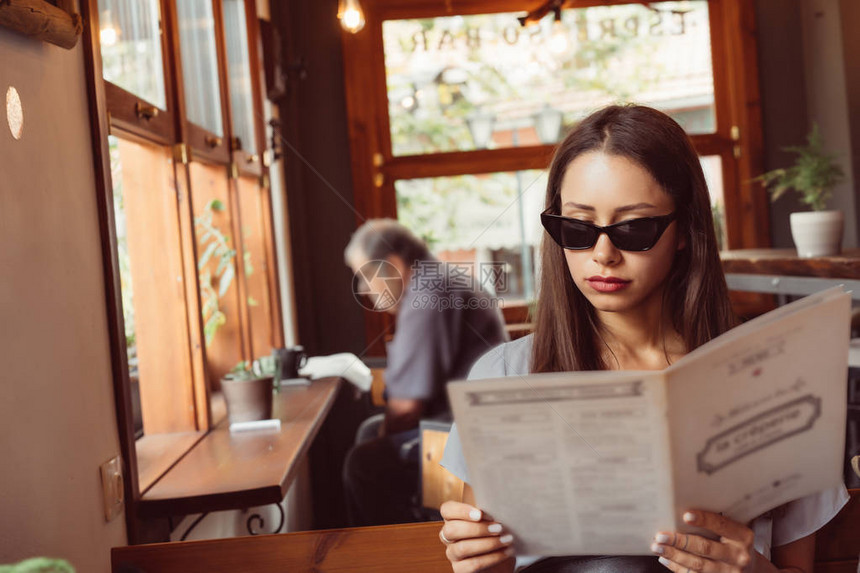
495, 219
200, 64
130, 38
469, 82
239, 69
712, 165
489, 219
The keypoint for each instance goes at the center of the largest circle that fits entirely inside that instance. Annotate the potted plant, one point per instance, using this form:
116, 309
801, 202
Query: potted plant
813, 176
248, 390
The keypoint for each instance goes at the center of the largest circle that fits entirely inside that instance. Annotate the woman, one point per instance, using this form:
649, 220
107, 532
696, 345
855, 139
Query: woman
631, 280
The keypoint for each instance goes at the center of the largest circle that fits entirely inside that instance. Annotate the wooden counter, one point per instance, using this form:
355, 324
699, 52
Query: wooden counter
233, 471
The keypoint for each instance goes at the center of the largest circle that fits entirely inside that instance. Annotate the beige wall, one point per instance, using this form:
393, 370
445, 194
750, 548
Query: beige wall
825, 63
57, 421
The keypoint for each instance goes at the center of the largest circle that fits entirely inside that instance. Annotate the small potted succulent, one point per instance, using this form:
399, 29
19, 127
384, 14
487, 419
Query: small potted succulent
813, 176
248, 390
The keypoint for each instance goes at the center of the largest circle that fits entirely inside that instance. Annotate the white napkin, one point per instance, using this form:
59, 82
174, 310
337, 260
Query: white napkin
345, 365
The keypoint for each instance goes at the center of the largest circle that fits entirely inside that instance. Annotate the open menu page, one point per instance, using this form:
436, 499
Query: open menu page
590, 463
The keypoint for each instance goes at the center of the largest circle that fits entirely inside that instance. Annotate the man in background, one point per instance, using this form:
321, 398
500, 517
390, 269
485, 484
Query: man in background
442, 326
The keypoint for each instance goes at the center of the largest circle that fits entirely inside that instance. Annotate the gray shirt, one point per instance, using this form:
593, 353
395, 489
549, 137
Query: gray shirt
441, 329
780, 526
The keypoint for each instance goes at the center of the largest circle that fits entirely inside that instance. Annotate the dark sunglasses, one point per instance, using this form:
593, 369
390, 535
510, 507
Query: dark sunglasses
633, 235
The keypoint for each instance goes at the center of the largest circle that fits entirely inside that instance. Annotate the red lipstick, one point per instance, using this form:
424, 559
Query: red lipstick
607, 284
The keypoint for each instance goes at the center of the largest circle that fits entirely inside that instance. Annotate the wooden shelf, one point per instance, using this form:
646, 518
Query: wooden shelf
233, 471
786, 262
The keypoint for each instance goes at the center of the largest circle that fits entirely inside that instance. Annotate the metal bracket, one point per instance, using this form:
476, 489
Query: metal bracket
262, 521
181, 153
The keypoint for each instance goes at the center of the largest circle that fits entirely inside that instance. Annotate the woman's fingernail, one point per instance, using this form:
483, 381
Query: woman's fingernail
506, 538
664, 561
658, 549
661, 538
690, 517
495, 528
509, 551
475, 515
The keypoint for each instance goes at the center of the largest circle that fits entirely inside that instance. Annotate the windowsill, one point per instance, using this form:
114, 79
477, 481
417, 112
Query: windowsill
156, 453
230, 471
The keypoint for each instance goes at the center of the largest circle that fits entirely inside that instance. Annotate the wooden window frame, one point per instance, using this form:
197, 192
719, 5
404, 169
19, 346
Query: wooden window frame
239, 157
375, 168
114, 111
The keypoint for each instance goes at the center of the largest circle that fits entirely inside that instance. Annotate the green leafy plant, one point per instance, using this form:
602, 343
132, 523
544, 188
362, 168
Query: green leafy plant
213, 243
39, 565
813, 176
718, 216
251, 370
213, 286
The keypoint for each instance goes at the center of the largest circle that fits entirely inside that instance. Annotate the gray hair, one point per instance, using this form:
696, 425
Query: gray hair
377, 239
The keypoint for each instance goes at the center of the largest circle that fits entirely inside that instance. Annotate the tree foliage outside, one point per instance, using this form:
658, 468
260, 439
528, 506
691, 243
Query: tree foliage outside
443, 71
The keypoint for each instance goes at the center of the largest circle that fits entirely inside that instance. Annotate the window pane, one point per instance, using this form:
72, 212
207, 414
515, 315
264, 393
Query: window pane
239, 68
480, 219
712, 165
151, 278
200, 64
131, 47
467, 82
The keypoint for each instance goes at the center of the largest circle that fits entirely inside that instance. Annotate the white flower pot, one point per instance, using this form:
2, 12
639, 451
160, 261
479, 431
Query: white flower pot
817, 233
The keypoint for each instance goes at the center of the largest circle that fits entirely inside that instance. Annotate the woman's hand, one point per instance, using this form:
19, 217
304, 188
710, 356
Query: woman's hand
474, 542
687, 553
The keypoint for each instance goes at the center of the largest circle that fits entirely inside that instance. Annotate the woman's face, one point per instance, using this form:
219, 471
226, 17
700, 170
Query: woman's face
605, 189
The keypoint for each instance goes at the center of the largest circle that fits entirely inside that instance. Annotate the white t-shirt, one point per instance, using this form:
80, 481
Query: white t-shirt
781, 526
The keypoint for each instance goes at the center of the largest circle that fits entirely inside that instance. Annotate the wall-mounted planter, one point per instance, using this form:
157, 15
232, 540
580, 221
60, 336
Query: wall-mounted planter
43, 21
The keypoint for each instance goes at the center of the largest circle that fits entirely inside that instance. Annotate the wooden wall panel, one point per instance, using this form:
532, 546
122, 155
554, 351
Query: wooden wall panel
209, 182
161, 320
201, 386
260, 308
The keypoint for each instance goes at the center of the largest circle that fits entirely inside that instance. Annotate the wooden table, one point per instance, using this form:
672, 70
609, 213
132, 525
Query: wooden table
234, 471
389, 549
782, 272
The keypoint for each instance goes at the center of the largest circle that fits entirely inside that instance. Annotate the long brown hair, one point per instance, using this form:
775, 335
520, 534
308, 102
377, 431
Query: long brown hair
566, 325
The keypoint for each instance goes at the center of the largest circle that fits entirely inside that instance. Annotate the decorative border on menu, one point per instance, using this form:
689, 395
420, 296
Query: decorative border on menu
555, 394
759, 432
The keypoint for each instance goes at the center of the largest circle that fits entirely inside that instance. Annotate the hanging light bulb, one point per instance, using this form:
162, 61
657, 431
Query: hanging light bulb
108, 35
558, 40
350, 15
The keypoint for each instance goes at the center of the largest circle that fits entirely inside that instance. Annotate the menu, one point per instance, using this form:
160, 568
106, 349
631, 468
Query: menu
589, 463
